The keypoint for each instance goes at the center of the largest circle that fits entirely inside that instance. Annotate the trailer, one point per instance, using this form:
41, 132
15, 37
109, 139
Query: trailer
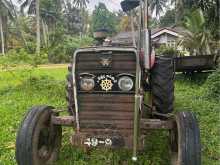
190, 64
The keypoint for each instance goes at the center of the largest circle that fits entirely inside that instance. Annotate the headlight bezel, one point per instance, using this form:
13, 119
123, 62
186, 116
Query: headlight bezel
87, 79
128, 79
87, 84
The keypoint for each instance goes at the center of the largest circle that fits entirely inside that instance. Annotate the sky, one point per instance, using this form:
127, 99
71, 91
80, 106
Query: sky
112, 5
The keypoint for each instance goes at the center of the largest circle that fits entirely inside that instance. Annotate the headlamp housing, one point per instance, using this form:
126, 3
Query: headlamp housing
125, 83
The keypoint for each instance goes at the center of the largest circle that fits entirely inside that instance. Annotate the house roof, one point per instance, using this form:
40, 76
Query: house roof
166, 30
126, 36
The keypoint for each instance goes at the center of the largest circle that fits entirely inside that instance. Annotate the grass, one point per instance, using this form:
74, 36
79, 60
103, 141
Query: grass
25, 88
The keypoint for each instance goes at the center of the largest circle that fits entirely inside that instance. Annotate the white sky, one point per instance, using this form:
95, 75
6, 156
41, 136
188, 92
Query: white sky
112, 5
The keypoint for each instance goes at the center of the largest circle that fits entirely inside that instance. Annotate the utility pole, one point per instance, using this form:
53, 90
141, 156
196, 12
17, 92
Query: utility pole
38, 26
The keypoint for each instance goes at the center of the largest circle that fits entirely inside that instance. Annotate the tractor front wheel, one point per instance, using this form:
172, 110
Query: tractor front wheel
185, 140
38, 140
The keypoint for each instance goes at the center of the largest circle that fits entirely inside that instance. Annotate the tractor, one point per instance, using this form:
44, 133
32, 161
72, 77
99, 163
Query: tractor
115, 96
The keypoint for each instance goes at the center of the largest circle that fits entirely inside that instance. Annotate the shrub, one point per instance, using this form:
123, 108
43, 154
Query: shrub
167, 51
212, 85
63, 52
16, 57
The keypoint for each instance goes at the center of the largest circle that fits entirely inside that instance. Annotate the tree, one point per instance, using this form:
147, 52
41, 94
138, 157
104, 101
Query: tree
34, 7
38, 26
82, 4
2, 36
102, 18
72, 18
210, 10
157, 6
168, 19
50, 13
5, 12
197, 39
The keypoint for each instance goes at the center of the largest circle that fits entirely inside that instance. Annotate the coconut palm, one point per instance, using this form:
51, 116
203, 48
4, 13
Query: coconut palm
81, 4
157, 6
5, 13
33, 7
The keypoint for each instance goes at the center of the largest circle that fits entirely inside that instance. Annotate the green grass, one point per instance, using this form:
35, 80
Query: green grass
23, 89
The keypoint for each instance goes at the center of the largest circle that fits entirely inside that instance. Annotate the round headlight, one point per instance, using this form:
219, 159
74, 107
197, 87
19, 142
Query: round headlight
125, 83
87, 84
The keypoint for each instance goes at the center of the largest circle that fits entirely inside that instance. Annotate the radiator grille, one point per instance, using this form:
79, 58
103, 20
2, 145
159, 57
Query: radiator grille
104, 111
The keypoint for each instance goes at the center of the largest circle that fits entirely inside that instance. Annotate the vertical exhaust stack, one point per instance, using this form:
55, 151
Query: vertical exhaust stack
143, 46
146, 35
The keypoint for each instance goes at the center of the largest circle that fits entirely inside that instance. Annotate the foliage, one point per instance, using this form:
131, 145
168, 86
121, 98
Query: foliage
209, 8
126, 20
102, 18
80, 3
197, 37
125, 24
158, 6
72, 20
167, 51
21, 57
213, 85
59, 52
46, 86
168, 19
64, 50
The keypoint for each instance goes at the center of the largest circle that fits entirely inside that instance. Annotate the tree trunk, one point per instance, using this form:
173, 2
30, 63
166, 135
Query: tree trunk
179, 6
44, 33
2, 36
38, 26
18, 24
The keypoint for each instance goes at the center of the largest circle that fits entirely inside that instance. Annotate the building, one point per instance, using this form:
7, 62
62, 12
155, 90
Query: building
161, 36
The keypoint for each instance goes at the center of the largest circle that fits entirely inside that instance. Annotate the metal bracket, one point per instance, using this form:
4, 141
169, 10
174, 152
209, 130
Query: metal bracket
63, 120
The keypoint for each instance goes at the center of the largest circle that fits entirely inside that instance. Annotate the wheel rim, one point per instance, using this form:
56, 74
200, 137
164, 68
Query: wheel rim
44, 148
45, 141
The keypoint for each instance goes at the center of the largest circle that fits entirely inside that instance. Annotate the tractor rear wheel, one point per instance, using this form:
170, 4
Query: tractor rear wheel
162, 84
185, 140
38, 141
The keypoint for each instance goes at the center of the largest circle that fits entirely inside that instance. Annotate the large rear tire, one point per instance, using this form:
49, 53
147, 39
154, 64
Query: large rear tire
38, 141
162, 84
185, 140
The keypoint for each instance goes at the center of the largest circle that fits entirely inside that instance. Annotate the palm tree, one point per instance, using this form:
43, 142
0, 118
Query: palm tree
5, 12
34, 7
81, 4
197, 39
157, 6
